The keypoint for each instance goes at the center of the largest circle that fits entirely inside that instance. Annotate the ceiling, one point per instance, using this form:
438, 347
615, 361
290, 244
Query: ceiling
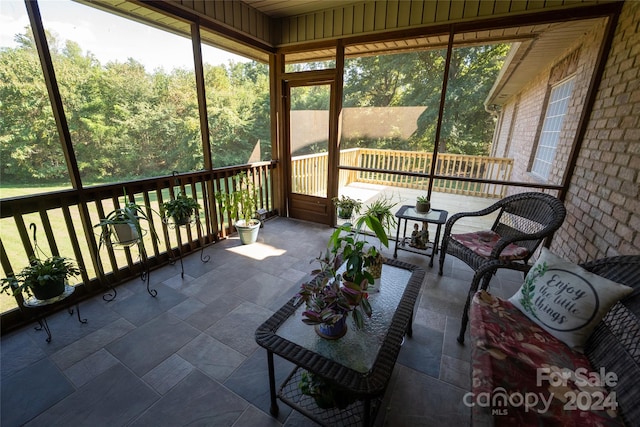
283, 8
534, 47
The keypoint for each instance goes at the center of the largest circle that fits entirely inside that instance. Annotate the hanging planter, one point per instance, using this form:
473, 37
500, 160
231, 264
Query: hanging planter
124, 234
44, 279
180, 209
122, 225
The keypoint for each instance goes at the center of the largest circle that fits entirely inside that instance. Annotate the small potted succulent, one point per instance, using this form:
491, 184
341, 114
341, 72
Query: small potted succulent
44, 279
241, 204
180, 209
346, 206
423, 205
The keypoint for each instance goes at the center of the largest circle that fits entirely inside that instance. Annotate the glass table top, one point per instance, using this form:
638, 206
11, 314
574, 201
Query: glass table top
358, 349
434, 215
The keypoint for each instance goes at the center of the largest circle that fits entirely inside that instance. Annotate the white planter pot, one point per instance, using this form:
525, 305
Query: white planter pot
248, 233
125, 233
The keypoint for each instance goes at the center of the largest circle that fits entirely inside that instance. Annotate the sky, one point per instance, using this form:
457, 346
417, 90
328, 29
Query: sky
107, 36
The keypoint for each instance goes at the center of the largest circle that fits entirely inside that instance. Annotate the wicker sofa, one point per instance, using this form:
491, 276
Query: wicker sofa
509, 351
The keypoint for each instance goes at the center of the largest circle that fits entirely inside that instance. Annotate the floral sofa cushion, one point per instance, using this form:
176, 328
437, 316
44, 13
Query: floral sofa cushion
483, 242
523, 376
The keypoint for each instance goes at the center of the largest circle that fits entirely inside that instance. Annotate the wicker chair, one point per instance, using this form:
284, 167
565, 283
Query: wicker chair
524, 220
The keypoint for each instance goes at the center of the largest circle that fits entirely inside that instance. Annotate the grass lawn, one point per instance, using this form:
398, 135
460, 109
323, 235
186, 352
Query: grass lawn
14, 246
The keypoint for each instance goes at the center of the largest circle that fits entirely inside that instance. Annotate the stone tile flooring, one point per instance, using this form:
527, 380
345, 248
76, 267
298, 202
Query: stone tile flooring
188, 356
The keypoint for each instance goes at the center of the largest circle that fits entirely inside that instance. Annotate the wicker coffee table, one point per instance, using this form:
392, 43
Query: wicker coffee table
360, 362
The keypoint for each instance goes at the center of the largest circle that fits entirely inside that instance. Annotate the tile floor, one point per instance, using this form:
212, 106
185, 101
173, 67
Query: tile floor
188, 356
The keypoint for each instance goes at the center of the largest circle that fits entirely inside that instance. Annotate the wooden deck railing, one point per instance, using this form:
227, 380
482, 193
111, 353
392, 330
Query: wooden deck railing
65, 220
308, 181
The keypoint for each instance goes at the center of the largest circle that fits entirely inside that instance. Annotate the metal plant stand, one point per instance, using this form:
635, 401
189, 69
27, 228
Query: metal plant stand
37, 304
34, 303
171, 224
144, 274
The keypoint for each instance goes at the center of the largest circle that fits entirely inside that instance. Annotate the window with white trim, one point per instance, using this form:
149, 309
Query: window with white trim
550, 135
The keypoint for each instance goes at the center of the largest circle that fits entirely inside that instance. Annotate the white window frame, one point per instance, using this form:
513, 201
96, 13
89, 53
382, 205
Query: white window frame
557, 108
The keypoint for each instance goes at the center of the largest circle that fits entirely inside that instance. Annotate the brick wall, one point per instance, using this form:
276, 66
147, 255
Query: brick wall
529, 106
603, 216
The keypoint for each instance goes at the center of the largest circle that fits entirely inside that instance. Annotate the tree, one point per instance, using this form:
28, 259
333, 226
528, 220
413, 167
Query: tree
415, 79
466, 126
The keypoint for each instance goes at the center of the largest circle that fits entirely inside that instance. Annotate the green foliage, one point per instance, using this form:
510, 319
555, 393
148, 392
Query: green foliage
241, 202
180, 209
326, 394
40, 273
131, 213
330, 295
124, 122
415, 79
347, 206
380, 209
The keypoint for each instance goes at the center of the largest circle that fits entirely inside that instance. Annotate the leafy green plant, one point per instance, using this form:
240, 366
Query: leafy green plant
40, 273
347, 206
326, 394
339, 287
180, 209
423, 205
381, 209
130, 214
241, 202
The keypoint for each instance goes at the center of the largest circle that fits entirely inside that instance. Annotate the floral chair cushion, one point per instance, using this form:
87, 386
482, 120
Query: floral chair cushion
515, 361
483, 242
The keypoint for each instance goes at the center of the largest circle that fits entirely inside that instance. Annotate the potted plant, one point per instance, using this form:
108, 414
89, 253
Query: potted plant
122, 225
241, 204
346, 206
423, 205
44, 279
180, 209
325, 394
331, 296
340, 286
381, 209
375, 257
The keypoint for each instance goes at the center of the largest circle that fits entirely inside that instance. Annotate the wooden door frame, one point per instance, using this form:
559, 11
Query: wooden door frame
312, 78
